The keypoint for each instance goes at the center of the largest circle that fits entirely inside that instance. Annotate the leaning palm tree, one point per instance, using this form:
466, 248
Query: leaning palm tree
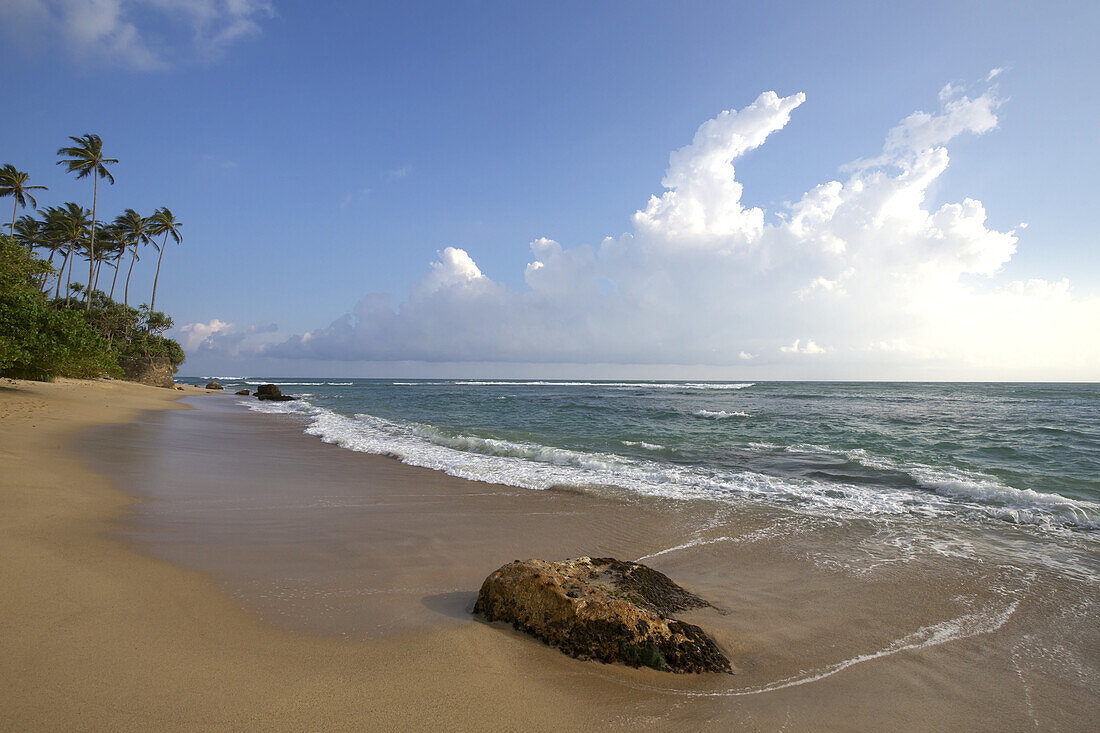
14, 183
134, 231
68, 225
162, 222
86, 158
55, 240
28, 231
105, 252
111, 248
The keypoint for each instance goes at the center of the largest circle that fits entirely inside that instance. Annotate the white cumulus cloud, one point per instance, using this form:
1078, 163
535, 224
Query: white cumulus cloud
219, 337
796, 348
893, 285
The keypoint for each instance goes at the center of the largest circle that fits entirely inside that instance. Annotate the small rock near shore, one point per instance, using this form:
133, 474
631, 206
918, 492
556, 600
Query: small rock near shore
214, 385
272, 392
244, 392
603, 609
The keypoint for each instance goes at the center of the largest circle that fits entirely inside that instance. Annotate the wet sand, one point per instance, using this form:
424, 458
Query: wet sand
268, 580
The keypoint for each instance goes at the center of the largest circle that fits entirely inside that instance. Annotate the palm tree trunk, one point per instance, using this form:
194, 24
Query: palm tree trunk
69, 281
118, 261
153, 303
91, 244
11, 231
57, 293
126, 292
45, 275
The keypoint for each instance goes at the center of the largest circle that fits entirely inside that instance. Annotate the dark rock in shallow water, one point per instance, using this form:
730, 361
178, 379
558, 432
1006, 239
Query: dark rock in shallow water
214, 385
242, 392
272, 392
604, 609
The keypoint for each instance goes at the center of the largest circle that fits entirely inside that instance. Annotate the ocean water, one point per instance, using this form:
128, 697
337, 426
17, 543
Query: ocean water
1027, 454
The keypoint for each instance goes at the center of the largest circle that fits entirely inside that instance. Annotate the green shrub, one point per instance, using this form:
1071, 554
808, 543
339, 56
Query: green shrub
38, 341
42, 339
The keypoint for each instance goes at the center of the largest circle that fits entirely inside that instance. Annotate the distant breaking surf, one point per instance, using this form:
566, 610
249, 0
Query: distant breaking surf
609, 385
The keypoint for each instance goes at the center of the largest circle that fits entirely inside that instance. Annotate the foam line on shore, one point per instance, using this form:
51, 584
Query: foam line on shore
534, 466
962, 627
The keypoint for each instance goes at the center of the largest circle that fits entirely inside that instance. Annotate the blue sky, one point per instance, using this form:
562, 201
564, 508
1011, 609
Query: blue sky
321, 152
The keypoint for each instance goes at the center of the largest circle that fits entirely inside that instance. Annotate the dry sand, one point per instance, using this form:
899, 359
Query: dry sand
329, 590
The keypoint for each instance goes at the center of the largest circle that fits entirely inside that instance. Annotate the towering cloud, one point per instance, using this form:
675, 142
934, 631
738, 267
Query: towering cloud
861, 275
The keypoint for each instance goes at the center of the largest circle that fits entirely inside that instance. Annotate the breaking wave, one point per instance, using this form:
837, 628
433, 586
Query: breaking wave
298, 384
608, 385
980, 491
531, 465
719, 414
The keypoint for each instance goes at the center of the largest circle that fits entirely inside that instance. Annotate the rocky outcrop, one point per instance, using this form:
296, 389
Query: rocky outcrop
156, 371
243, 392
272, 392
604, 609
214, 385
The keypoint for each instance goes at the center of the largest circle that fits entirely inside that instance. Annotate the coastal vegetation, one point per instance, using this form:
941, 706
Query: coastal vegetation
51, 326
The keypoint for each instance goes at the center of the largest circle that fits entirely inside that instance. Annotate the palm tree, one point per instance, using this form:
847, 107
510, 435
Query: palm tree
134, 230
14, 183
104, 253
52, 233
28, 231
67, 225
86, 158
162, 222
112, 251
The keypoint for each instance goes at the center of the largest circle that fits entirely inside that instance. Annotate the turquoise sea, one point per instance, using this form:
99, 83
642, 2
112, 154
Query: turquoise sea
1027, 454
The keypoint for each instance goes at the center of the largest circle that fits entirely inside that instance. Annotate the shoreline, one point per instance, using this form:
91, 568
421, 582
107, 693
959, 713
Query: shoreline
329, 589
100, 637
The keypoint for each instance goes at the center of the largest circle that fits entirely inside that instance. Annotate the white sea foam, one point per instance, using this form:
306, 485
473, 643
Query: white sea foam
698, 542
980, 491
534, 466
783, 528
642, 444
719, 414
963, 627
608, 385
300, 384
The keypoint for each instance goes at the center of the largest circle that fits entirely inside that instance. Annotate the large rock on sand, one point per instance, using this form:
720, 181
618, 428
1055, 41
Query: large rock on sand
155, 371
214, 385
602, 608
271, 392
